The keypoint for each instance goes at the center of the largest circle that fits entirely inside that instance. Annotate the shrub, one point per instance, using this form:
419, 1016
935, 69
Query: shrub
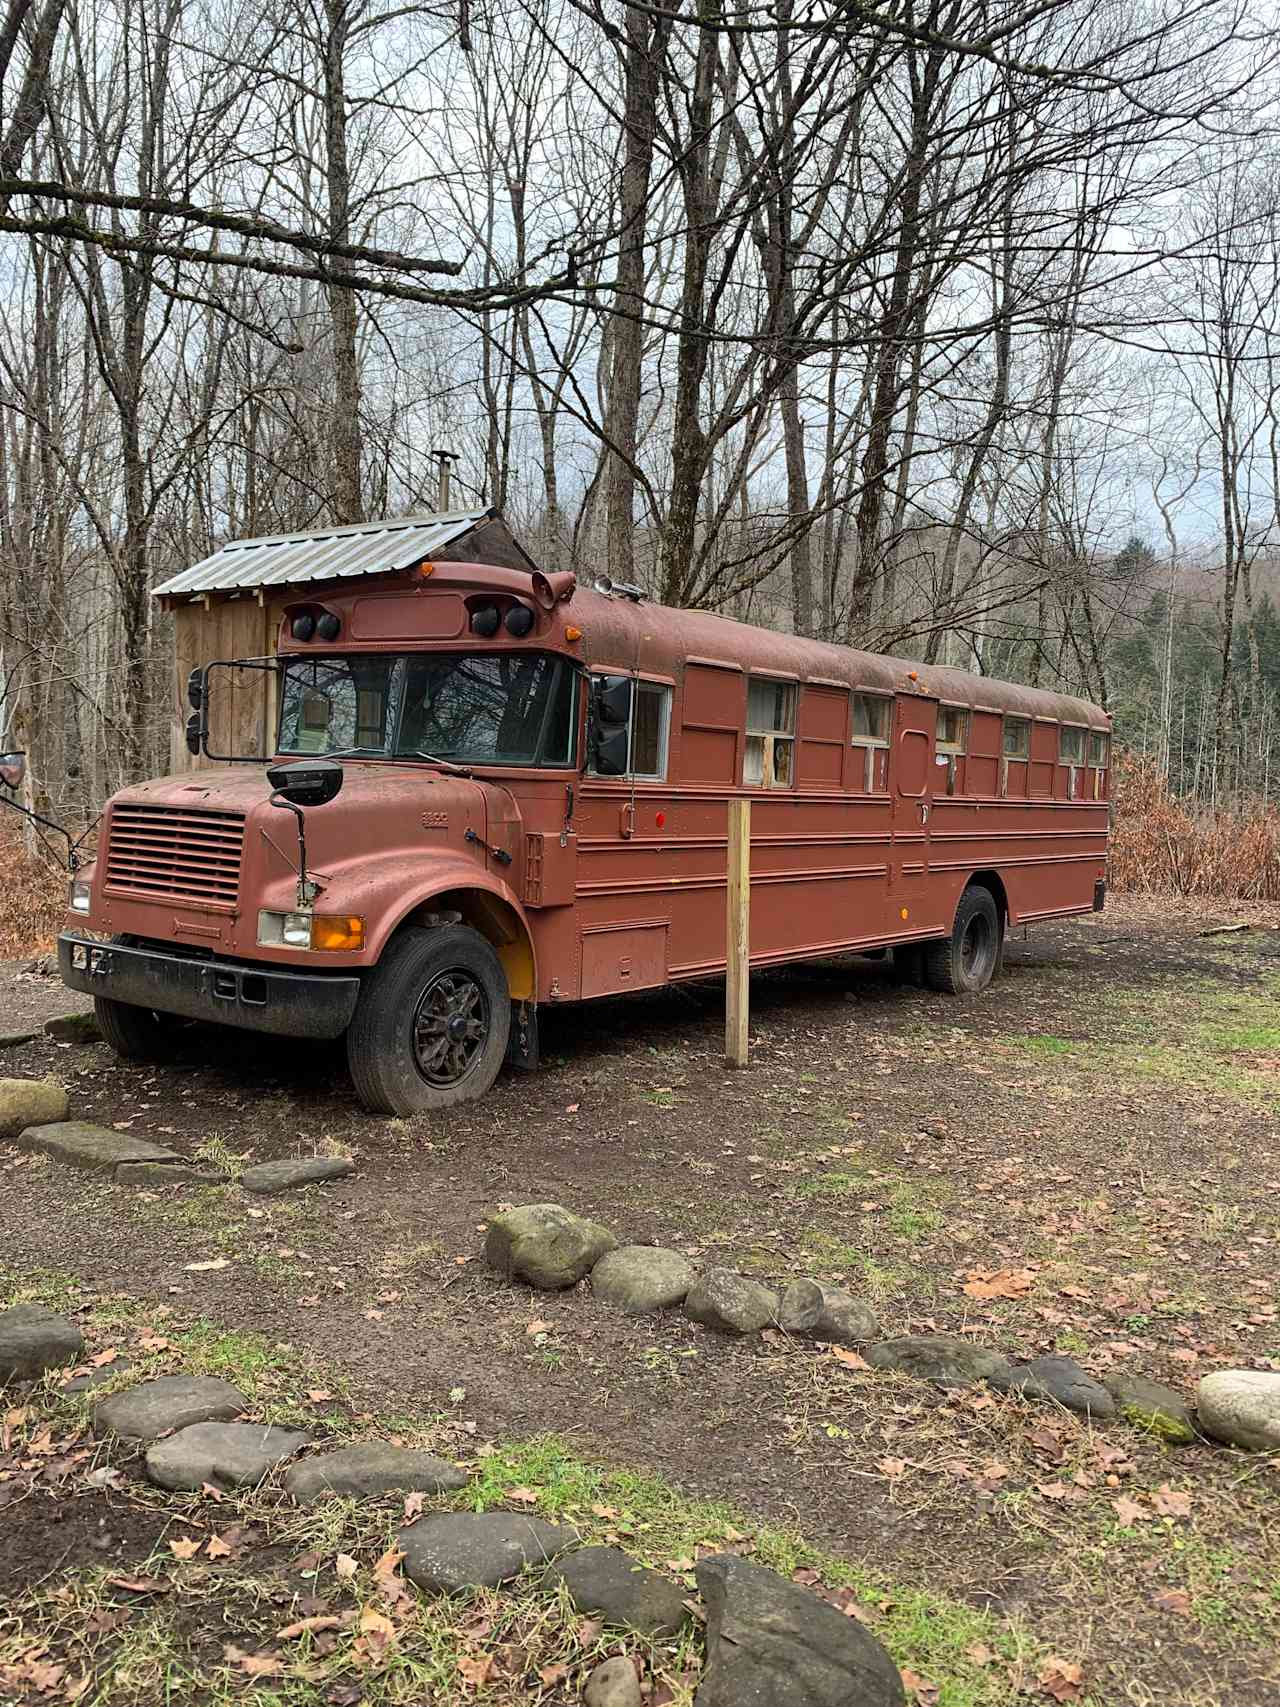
1165, 846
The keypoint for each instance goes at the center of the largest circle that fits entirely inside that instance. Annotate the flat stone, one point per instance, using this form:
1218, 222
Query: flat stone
546, 1245
1153, 1408
30, 1102
15, 1039
607, 1582
1241, 1407
827, 1313
730, 1303
266, 1178
34, 1338
168, 1173
82, 1145
227, 1455
1060, 1379
74, 1028
944, 1359
637, 1278
468, 1549
145, 1412
364, 1472
613, 1684
87, 1379
771, 1643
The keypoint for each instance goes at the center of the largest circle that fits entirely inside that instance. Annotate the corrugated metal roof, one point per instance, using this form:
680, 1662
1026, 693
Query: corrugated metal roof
328, 554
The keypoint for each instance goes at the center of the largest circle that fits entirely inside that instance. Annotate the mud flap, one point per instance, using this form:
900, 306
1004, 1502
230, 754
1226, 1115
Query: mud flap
522, 1045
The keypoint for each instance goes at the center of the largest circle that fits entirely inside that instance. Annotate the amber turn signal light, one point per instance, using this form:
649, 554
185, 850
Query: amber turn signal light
331, 931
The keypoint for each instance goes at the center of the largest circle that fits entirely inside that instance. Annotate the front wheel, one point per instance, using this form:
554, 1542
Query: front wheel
431, 1026
966, 961
138, 1034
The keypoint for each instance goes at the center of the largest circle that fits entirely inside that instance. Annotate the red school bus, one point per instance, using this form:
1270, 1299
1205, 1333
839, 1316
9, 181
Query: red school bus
496, 790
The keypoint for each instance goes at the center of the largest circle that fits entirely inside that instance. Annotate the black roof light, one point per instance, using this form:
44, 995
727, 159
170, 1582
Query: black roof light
484, 621
328, 626
303, 627
519, 621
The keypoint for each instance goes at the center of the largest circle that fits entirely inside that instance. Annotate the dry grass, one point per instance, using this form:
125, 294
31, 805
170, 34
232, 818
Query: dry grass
1166, 846
35, 893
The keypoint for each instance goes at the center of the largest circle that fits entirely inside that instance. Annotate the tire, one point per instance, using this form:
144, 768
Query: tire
139, 1034
969, 958
431, 1025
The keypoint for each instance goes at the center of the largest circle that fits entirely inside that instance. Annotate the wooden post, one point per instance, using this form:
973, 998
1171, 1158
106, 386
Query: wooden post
738, 934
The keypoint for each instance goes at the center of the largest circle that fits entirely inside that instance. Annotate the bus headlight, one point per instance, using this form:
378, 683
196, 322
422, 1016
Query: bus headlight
324, 932
78, 900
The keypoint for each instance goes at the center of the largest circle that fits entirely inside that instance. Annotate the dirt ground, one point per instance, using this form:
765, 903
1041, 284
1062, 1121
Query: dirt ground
1099, 1127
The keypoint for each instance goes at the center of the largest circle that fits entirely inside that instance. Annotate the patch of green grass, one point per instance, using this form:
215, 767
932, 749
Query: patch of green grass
829, 1185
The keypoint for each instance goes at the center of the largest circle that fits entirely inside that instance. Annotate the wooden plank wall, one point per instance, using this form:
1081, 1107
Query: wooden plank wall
243, 717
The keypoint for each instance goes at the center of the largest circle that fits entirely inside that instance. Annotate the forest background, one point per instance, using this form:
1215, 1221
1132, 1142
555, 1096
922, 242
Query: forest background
948, 329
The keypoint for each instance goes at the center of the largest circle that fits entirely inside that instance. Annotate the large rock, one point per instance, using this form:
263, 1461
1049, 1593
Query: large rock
945, 1359
30, 1102
642, 1277
1060, 1379
730, 1303
82, 1145
74, 1028
546, 1245
145, 1412
226, 1455
267, 1178
613, 1684
87, 1379
772, 1644
467, 1549
1241, 1407
33, 1339
605, 1581
828, 1313
1157, 1410
15, 1039
364, 1472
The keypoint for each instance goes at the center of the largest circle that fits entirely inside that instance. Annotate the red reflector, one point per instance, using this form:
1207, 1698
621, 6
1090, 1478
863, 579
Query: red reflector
661, 819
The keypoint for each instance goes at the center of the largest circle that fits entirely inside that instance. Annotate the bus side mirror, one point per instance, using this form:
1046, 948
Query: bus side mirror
611, 697
13, 767
611, 752
610, 724
195, 690
306, 782
194, 732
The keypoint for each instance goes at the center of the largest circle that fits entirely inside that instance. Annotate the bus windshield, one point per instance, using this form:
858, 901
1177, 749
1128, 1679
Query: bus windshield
471, 708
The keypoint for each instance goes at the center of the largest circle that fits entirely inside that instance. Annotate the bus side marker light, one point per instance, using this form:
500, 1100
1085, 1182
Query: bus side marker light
905, 913
661, 819
571, 634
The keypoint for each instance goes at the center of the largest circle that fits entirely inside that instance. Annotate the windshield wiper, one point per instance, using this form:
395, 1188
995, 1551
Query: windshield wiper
445, 764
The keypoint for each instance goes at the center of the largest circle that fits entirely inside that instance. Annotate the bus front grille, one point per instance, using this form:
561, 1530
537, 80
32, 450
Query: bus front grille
175, 853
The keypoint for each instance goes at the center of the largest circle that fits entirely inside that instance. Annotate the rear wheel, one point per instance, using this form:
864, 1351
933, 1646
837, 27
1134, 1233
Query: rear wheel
967, 960
431, 1026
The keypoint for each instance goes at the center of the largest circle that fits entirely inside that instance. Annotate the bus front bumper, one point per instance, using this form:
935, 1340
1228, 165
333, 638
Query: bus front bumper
255, 998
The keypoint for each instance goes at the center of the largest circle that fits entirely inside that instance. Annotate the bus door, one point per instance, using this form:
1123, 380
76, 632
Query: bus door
911, 782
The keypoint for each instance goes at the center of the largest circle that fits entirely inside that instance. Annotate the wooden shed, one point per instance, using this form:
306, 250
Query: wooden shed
230, 606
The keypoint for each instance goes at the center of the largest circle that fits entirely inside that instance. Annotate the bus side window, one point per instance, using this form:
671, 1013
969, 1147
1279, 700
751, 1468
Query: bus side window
872, 727
1099, 759
643, 709
951, 744
1016, 755
771, 728
1071, 753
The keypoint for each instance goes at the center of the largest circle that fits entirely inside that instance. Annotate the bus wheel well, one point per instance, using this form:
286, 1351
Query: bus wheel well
496, 920
991, 880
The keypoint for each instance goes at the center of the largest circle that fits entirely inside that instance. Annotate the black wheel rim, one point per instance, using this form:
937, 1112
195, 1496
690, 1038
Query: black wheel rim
450, 1028
975, 947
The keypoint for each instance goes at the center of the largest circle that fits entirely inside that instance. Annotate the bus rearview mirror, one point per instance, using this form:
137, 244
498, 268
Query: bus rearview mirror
613, 699
13, 767
611, 751
195, 690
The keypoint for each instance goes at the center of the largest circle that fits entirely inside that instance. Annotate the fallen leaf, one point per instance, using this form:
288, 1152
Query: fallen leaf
524, 1496
206, 1267
318, 1396
345, 1566
891, 1467
999, 1282
553, 1674
850, 1359
1173, 1600
1130, 1512
139, 1585
185, 1548
254, 1665
573, 1108
217, 1548
1061, 1679
413, 1504
539, 1327
391, 1585
1170, 1503
321, 1621
979, 1654
475, 1671
1052, 1490
104, 1357
918, 1689
153, 1342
